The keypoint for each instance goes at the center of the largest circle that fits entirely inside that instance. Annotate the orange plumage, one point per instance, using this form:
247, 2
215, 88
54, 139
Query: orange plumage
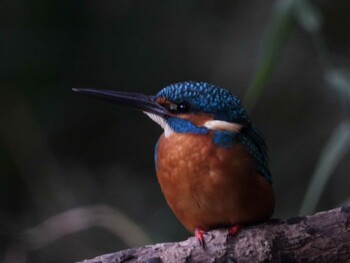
208, 186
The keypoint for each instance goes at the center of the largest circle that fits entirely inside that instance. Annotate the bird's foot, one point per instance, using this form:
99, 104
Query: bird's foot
199, 234
233, 230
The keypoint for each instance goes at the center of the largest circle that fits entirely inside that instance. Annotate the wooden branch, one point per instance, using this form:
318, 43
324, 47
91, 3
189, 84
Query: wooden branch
323, 237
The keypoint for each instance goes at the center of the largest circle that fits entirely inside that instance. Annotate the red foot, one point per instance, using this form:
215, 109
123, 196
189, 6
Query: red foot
234, 229
199, 233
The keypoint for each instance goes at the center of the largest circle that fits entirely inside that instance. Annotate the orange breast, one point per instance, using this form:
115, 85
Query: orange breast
208, 186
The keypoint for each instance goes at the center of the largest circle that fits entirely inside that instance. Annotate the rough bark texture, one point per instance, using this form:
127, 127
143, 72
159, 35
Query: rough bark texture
323, 237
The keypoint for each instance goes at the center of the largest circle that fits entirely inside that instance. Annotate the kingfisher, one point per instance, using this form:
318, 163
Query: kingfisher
211, 162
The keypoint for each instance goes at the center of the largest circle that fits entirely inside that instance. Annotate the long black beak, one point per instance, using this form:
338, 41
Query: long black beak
135, 100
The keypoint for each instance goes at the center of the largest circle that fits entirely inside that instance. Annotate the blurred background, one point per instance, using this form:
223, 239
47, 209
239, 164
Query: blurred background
77, 176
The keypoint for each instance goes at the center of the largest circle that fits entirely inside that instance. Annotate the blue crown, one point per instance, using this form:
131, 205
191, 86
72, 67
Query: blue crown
206, 98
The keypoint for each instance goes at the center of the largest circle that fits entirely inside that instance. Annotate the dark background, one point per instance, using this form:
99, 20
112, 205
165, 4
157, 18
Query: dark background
87, 166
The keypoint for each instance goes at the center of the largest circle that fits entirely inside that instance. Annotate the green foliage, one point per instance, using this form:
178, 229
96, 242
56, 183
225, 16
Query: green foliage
305, 13
332, 154
276, 37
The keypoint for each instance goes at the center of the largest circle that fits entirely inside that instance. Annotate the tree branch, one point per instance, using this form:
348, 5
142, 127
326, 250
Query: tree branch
323, 237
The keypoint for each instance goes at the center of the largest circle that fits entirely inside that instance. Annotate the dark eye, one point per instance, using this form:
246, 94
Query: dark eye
182, 107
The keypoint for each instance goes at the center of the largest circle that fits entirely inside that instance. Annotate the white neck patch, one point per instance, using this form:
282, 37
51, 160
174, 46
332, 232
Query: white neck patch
215, 125
218, 125
162, 122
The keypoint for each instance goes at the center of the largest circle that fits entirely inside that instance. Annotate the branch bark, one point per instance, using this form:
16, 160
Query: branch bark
323, 237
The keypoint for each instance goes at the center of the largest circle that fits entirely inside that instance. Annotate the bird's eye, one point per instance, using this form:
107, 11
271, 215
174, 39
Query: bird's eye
177, 108
182, 107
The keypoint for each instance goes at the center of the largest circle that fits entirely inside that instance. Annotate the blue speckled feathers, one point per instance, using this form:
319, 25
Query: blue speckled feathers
207, 98
255, 145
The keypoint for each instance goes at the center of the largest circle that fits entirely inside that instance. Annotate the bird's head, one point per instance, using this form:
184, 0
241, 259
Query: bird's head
186, 107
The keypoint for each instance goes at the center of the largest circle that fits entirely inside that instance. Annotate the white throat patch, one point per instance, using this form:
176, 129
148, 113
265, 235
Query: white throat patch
162, 122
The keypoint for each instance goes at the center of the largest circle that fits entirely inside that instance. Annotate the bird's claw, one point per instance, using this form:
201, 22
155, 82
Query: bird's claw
199, 234
233, 230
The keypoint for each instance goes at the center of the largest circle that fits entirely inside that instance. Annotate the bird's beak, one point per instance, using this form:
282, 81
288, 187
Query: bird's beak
135, 100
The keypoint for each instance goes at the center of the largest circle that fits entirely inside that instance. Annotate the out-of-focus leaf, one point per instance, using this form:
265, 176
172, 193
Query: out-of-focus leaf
308, 15
339, 79
78, 219
337, 146
278, 31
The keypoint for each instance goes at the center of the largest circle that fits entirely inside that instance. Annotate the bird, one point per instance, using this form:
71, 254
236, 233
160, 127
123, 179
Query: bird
211, 161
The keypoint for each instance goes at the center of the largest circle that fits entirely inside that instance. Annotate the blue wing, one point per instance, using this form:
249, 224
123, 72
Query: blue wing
252, 139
